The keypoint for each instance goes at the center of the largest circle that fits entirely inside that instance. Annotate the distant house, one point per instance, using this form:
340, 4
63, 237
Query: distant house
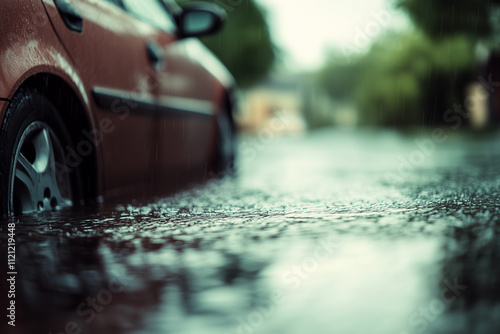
275, 104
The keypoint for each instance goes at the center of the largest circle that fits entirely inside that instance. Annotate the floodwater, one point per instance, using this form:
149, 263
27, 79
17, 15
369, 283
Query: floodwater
330, 232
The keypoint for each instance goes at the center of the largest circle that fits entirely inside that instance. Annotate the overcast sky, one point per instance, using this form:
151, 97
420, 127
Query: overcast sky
306, 29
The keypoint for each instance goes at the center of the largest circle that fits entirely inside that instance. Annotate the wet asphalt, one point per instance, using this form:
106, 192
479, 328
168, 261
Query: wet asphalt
335, 231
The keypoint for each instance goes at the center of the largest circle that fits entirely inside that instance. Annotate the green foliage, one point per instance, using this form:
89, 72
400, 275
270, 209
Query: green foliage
404, 79
442, 18
414, 78
340, 78
244, 45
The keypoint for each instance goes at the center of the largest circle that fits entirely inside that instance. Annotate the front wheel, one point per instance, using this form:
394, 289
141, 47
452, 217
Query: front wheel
33, 172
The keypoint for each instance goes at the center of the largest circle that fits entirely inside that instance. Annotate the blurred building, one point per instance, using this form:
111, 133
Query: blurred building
274, 104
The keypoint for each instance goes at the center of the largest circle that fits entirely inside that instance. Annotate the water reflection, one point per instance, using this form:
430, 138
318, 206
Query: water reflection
104, 282
471, 256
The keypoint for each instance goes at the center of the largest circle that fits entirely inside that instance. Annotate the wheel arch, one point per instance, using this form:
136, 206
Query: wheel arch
76, 118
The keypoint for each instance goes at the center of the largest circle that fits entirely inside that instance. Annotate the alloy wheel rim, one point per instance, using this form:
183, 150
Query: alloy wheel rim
38, 181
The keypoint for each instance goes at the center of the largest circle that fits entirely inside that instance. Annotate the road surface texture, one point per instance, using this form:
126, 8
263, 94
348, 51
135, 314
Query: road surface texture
332, 232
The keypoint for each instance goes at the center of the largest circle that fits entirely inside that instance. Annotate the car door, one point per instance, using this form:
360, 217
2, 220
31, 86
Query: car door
187, 108
110, 49
186, 95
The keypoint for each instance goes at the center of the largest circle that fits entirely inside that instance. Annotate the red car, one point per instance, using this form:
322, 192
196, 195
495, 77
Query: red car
102, 99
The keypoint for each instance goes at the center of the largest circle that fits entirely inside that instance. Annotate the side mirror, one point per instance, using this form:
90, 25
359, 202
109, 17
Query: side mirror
200, 19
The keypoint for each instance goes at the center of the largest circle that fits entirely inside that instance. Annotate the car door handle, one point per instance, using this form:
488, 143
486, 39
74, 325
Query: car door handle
155, 54
70, 15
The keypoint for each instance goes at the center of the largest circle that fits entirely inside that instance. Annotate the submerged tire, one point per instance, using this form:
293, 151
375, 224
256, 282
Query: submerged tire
34, 175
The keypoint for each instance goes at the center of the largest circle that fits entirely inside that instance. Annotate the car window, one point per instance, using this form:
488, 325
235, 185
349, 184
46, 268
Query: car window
151, 11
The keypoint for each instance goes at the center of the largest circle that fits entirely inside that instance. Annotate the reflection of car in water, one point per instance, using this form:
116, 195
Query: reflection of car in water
108, 98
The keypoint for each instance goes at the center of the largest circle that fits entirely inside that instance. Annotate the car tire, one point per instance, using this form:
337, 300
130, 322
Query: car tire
225, 146
34, 174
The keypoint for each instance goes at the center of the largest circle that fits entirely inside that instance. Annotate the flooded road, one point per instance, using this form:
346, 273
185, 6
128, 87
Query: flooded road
330, 232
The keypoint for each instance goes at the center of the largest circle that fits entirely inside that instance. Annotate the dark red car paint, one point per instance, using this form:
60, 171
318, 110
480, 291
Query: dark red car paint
149, 124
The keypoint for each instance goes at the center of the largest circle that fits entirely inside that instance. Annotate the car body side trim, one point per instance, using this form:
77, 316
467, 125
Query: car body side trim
180, 105
5, 100
111, 99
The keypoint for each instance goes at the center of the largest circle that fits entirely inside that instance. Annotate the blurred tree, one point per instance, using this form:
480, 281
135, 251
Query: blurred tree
411, 79
244, 45
340, 78
404, 79
415, 77
442, 18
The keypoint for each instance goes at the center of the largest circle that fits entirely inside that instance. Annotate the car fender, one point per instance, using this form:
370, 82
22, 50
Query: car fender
28, 47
